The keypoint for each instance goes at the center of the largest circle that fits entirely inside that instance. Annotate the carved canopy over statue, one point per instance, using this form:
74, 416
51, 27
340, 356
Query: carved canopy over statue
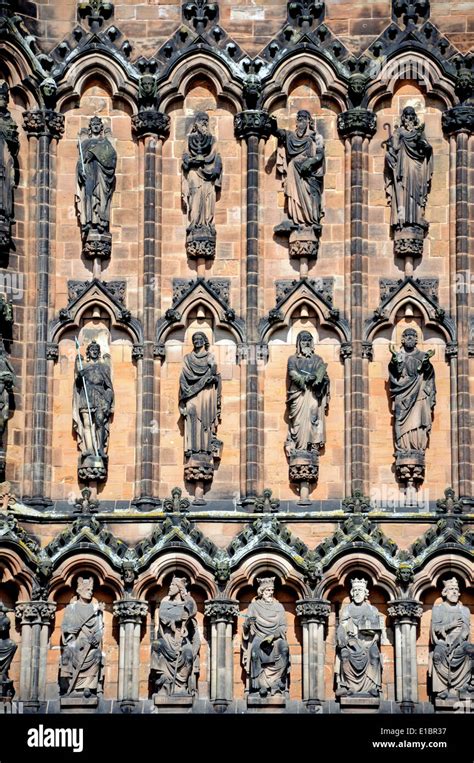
358, 662
453, 655
301, 163
413, 392
80, 671
408, 171
307, 401
202, 178
95, 185
7, 653
175, 652
266, 654
200, 405
9, 147
93, 404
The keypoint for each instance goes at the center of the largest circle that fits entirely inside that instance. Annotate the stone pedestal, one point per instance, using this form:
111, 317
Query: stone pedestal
201, 242
130, 614
405, 614
357, 703
304, 466
35, 618
97, 245
91, 468
453, 705
313, 614
410, 466
173, 700
79, 703
408, 242
255, 700
222, 614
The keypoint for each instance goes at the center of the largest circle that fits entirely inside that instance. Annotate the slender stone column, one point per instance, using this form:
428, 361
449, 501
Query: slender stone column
222, 614
459, 122
151, 129
45, 127
35, 618
313, 614
405, 614
130, 614
357, 126
252, 126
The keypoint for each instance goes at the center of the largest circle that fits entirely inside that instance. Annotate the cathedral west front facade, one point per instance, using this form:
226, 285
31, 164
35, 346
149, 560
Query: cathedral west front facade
236, 357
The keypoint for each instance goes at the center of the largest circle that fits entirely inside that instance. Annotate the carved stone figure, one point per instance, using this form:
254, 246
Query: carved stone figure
408, 171
358, 663
266, 654
175, 652
7, 382
200, 405
452, 658
7, 653
147, 92
95, 186
49, 89
307, 401
413, 392
301, 163
80, 671
202, 178
9, 147
93, 404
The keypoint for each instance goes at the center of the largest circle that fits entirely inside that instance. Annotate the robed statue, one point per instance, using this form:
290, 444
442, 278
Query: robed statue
358, 662
413, 393
306, 402
95, 179
453, 655
7, 653
9, 147
80, 671
201, 180
266, 654
175, 651
200, 406
93, 405
7, 382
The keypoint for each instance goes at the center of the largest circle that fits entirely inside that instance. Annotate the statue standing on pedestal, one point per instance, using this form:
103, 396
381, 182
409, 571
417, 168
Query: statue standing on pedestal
408, 171
7, 382
301, 163
202, 178
7, 653
200, 405
307, 401
175, 653
413, 391
9, 147
266, 654
93, 404
82, 629
452, 659
95, 186
358, 662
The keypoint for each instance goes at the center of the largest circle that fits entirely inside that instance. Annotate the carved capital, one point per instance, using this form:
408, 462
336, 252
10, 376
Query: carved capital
52, 351
254, 122
137, 351
405, 610
35, 612
151, 122
221, 610
357, 122
313, 610
43, 122
458, 119
346, 350
130, 610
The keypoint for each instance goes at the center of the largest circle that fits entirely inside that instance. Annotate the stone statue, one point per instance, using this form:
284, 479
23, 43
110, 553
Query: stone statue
147, 91
7, 382
175, 653
202, 178
266, 654
358, 662
95, 187
200, 405
80, 671
49, 89
413, 392
93, 405
408, 171
7, 653
306, 402
9, 147
452, 658
301, 163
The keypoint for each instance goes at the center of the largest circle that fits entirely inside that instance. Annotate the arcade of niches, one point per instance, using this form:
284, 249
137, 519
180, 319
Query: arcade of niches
236, 357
